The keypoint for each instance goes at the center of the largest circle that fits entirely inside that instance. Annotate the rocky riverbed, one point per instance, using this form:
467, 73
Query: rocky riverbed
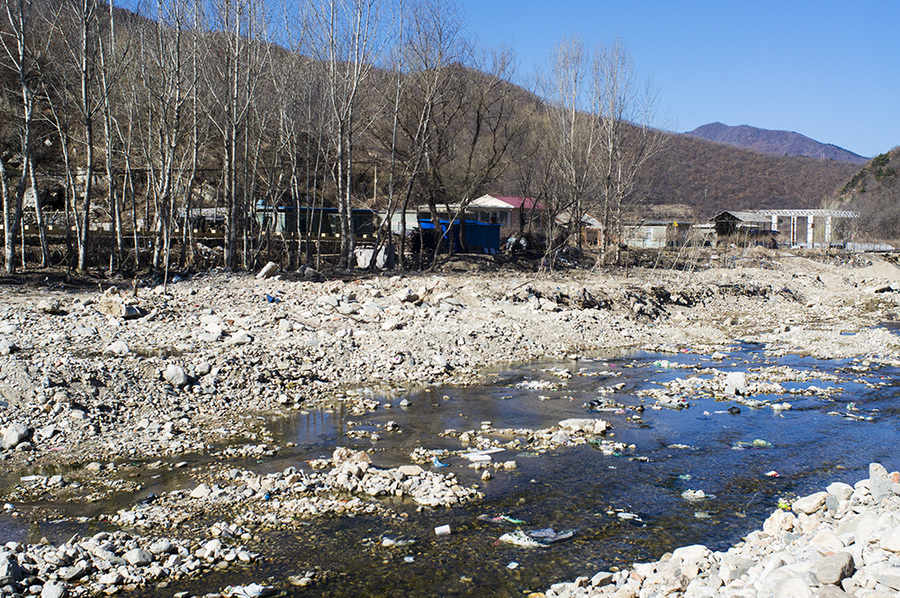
842, 541
94, 379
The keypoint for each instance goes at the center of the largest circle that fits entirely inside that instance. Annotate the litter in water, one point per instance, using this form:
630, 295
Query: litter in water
501, 519
254, 590
538, 538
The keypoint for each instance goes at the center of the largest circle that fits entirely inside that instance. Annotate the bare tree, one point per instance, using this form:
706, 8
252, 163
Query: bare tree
231, 82
113, 61
169, 81
573, 140
627, 139
84, 17
473, 131
423, 95
350, 43
24, 54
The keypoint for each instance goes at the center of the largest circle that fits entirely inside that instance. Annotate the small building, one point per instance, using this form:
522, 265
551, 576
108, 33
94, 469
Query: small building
512, 213
320, 221
590, 231
745, 228
656, 234
703, 235
729, 223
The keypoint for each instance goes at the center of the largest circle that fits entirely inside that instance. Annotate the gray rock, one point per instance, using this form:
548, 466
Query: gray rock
889, 576
892, 541
406, 296
7, 347
13, 435
10, 572
241, 337
162, 547
561, 437
880, 483
832, 569
54, 589
118, 348
809, 504
794, 587
138, 557
47, 432
49, 306
310, 273
840, 490
268, 271
349, 309
175, 375
201, 491
113, 578
72, 573
372, 310
601, 579
734, 568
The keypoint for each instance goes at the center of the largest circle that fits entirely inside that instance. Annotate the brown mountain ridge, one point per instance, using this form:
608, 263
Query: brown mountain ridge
780, 143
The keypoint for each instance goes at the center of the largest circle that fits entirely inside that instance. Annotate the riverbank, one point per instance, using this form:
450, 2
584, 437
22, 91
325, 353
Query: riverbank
102, 387
163, 372
843, 541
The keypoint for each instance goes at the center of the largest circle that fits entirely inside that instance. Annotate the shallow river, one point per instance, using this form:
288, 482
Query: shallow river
626, 507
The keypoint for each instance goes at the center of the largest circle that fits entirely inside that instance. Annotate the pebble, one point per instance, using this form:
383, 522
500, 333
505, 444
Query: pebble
82, 566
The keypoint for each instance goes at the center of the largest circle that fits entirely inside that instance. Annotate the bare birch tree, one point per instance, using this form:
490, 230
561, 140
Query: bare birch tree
626, 138
424, 94
168, 82
113, 60
349, 44
573, 141
24, 53
230, 85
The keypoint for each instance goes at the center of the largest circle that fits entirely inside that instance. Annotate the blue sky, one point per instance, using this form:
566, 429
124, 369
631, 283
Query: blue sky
828, 69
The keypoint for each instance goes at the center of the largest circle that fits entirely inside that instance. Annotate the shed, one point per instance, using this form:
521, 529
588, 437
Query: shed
656, 234
512, 213
478, 237
729, 222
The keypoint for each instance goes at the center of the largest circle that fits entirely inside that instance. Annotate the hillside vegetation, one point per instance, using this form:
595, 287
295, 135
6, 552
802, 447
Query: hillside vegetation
133, 122
874, 191
714, 177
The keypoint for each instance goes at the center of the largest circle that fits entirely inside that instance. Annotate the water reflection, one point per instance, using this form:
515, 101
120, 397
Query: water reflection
627, 507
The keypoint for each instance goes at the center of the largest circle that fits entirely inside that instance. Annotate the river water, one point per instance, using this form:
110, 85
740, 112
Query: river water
625, 507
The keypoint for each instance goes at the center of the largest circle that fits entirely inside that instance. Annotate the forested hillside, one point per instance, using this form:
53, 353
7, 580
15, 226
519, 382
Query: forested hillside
874, 191
132, 123
714, 177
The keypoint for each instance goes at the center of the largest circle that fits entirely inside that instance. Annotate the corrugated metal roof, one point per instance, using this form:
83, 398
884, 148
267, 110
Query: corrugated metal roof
745, 216
506, 202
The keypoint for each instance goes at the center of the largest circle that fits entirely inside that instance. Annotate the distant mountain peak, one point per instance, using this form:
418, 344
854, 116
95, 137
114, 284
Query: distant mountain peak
780, 143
